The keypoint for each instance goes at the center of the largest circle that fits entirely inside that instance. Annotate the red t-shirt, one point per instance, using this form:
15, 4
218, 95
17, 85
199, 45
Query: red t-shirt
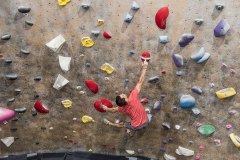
134, 109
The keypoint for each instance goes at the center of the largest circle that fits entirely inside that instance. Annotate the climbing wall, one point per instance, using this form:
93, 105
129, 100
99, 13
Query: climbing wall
62, 129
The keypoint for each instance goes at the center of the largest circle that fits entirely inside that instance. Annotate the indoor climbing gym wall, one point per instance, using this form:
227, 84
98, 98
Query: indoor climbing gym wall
60, 59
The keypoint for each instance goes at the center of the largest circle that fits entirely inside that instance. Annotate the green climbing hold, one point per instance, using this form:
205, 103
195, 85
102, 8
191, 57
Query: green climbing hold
206, 130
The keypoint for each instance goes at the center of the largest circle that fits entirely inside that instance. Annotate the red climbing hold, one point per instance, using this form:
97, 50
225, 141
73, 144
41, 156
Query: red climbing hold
145, 56
93, 86
40, 107
104, 101
107, 35
161, 17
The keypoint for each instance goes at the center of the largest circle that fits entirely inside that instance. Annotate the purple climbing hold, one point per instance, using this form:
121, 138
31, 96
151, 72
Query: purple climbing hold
197, 90
185, 39
162, 149
221, 29
178, 60
164, 141
157, 105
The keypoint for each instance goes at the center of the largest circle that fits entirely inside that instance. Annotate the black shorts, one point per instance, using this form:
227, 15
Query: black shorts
128, 126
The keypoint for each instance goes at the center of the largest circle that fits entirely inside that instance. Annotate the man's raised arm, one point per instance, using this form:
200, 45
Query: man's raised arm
142, 77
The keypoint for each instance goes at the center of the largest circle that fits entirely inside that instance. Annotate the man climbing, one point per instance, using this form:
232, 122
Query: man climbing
132, 107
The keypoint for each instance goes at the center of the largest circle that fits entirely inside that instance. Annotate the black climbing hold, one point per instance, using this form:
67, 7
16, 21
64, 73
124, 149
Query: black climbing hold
43, 128
166, 125
88, 65
37, 143
36, 95
154, 79
23, 51
13, 129
28, 22
8, 61
11, 99
20, 110
11, 76
15, 119
37, 78
85, 5
6, 37
24, 9
126, 80
34, 113
131, 52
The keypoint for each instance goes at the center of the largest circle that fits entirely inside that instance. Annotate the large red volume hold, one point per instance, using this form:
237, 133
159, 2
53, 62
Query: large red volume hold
107, 35
40, 107
161, 17
93, 86
104, 101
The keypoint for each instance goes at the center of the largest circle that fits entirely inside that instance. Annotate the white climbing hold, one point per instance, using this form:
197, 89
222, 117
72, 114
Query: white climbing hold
56, 44
85, 5
168, 157
219, 6
8, 141
135, 6
60, 82
131, 152
184, 151
64, 63
128, 18
198, 21
163, 39
95, 32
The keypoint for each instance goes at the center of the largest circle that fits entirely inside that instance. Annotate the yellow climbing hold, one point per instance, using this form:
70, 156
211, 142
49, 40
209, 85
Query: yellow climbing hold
100, 22
86, 119
65, 137
235, 139
63, 2
87, 42
106, 78
107, 67
225, 93
67, 103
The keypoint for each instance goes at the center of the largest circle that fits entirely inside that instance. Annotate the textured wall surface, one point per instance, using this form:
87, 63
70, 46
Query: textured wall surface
73, 22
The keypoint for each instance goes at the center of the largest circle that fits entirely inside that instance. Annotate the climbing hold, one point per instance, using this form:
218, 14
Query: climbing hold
13, 129
178, 60
88, 65
135, 6
197, 157
163, 39
20, 110
6, 37
164, 72
95, 32
100, 22
166, 125
201, 147
144, 100
64, 63
235, 139
17, 90
154, 79
168, 157
104, 101
107, 68
82, 92
11, 76
56, 44
204, 58
7, 61
197, 56
11, 99
217, 142
7, 141
85, 5
162, 149
184, 151
40, 107
187, 101
228, 126
197, 90
87, 42
179, 73
196, 111
131, 152
233, 71
87, 119
29, 22
63, 2
60, 82
206, 130
6, 114
198, 21
107, 35
164, 141
145, 56
221, 29
23, 51
106, 78
157, 105
37, 78
67, 103
197, 124
161, 17
177, 127
24, 9
185, 39
128, 18
93, 86
219, 7
126, 80
132, 52
225, 93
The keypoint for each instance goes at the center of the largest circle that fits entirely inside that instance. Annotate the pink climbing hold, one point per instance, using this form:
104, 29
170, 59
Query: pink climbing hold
104, 101
146, 56
6, 114
232, 71
198, 156
228, 126
201, 147
93, 86
40, 107
107, 35
161, 17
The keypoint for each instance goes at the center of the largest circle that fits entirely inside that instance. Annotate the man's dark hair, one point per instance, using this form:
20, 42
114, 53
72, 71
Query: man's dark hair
120, 101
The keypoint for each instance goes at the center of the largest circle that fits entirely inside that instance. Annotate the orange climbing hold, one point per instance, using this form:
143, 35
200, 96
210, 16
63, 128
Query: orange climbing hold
161, 17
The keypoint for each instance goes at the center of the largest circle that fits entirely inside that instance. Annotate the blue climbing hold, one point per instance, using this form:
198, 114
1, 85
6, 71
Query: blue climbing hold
185, 39
187, 101
197, 56
204, 58
178, 60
